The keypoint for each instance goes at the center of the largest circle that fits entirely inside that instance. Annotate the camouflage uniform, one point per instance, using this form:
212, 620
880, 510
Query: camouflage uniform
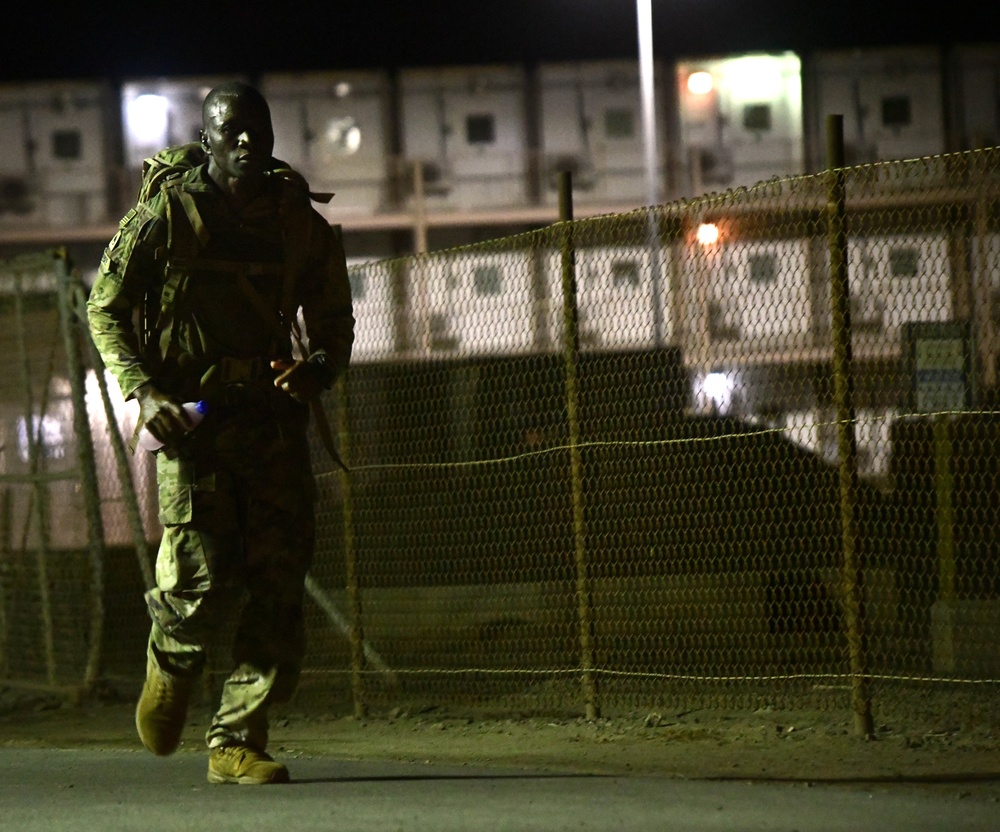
237, 501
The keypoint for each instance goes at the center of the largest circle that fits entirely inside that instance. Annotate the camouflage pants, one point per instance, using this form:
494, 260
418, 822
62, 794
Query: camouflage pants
237, 509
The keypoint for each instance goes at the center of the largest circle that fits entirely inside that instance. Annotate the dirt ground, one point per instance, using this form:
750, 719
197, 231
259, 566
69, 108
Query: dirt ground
932, 737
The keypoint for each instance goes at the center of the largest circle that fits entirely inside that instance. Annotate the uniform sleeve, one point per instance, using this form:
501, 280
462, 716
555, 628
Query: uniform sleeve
129, 268
325, 297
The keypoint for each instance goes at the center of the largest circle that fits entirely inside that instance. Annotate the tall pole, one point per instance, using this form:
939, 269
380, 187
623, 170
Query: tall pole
644, 11
644, 14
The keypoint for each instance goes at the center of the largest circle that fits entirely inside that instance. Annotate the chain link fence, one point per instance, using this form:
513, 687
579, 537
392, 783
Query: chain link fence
72, 536
737, 449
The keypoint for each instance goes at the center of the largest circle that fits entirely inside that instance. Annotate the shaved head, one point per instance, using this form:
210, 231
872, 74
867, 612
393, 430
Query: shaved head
237, 136
247, 95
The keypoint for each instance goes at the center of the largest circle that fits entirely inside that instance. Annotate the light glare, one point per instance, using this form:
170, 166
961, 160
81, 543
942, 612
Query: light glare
700, 83
147, 119
708, 233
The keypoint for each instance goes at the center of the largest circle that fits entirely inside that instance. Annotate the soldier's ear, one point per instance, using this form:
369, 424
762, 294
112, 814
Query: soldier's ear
204, 142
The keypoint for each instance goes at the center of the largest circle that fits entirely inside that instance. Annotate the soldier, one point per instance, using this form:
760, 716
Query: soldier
218, 262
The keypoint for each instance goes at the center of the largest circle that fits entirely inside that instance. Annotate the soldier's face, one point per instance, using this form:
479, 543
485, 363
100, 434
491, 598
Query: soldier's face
238, 136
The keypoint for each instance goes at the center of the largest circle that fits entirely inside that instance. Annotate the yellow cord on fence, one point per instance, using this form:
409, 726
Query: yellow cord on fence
621, 443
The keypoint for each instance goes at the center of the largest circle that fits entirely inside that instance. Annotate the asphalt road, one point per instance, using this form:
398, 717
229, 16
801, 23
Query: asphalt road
103, 791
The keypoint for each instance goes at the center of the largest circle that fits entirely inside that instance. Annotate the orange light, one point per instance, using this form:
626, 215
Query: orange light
708, 233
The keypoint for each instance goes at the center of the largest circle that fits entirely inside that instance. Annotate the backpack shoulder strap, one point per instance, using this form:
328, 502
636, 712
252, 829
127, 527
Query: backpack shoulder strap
170, 163
177, 190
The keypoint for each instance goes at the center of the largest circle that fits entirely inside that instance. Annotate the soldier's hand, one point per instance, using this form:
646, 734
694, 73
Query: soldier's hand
162, 415
300, 379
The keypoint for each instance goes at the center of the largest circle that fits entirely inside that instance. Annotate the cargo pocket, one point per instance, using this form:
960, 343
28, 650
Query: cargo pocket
175, 480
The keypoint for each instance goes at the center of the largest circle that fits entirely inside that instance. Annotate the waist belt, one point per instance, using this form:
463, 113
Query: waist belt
238, 370
230, 380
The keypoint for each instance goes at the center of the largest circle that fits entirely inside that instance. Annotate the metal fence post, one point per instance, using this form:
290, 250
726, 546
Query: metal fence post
129, 498
840, 302
88, 468
39, 489
571, 353
944, 507
357, 634
6, 549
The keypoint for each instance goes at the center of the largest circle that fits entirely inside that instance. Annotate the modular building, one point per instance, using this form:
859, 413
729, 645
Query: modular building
55, 169
975, 103
895, 279
740, 120
161, 112
591, 125
755, 292
467, 127
477, 304
617, 298
816, 431
334, 129
371, 293
891, 101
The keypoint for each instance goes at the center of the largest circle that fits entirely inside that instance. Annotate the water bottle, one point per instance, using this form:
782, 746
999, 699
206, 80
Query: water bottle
195, 413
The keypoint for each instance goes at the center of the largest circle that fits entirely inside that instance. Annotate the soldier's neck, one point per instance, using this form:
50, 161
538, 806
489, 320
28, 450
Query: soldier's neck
238, 190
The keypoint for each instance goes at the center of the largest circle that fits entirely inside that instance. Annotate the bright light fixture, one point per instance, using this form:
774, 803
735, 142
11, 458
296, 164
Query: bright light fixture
700, 82
760, 77
147, 117
717, 390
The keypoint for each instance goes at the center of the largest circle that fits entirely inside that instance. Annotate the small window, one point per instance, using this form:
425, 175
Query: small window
896, 111
757, 117
763, 268
904, 262
357, 277
619, 124
625, 273
480, 129
67, 144
487, 280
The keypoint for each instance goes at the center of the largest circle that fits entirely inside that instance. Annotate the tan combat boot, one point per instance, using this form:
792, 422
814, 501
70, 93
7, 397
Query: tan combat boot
241, 764
162, 709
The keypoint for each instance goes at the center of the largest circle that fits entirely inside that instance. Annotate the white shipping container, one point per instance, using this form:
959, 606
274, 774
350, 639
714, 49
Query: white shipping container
371, 293
740, 119
162, 112
978, 96
898, 278
761, 291
468, 126
591, 125
473, 304
891, 101
616, 294
333, 129
54, 169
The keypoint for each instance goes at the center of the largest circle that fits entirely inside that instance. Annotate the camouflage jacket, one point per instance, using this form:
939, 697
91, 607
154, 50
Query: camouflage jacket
213, 283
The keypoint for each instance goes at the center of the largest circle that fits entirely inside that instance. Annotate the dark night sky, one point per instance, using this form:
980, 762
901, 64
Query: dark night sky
118, 40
